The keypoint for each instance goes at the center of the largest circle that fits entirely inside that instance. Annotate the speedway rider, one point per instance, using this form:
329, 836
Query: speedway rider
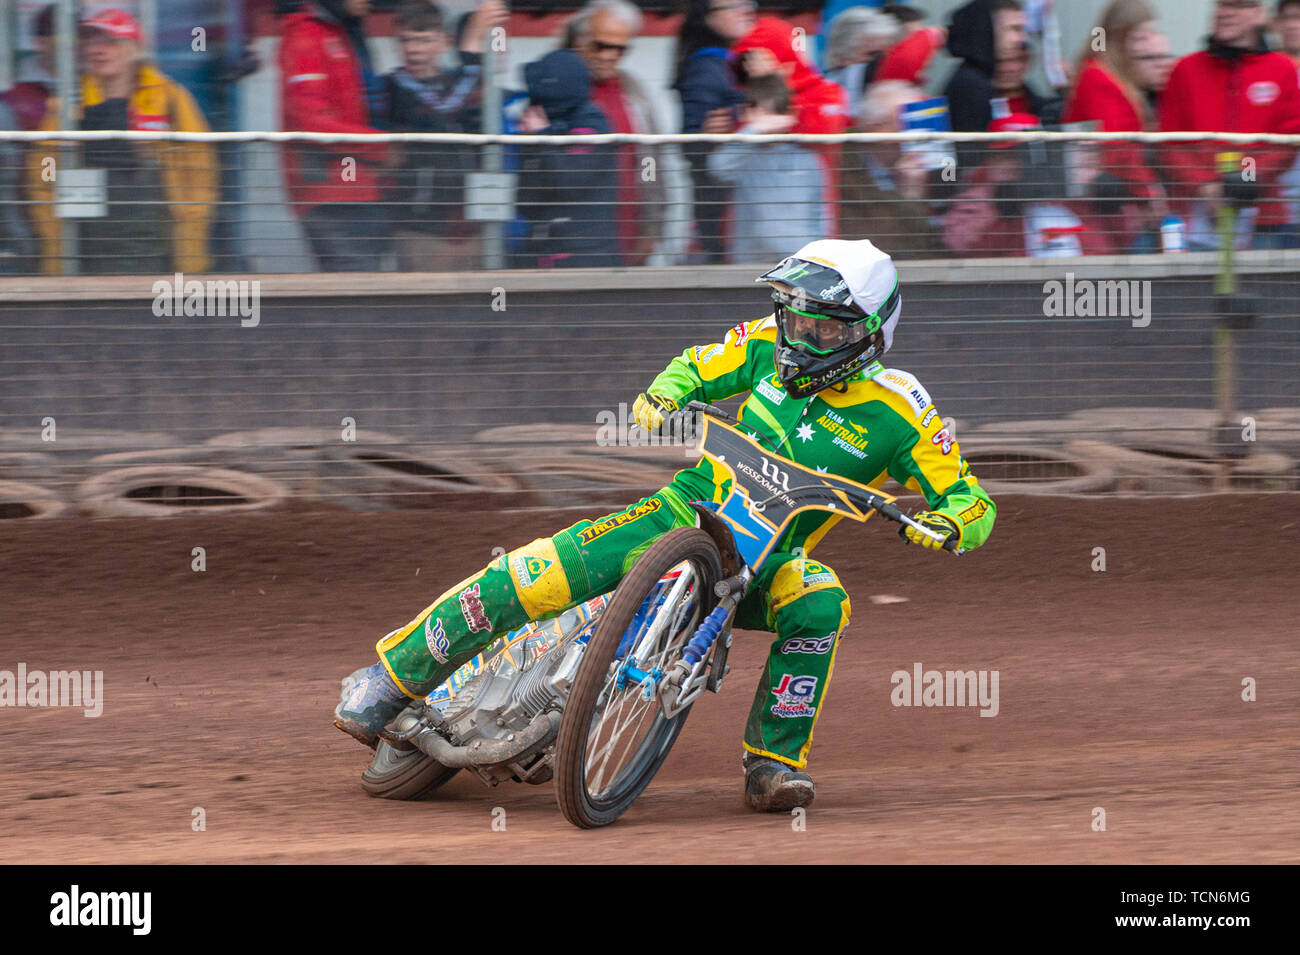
818, 395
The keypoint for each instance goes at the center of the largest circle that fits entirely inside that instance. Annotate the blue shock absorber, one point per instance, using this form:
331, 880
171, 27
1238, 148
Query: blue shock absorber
705, 636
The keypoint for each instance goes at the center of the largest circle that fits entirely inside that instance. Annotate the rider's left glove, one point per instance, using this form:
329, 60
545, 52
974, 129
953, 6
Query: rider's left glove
650, 411
941, 523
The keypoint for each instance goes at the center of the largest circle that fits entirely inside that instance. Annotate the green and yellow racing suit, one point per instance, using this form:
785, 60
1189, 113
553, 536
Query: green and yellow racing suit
878, 423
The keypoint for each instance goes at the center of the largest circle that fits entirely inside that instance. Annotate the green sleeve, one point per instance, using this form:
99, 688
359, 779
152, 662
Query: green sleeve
721, 370
948, 484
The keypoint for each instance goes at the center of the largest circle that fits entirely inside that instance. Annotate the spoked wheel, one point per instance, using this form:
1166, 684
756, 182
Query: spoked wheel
403, 774
612, 741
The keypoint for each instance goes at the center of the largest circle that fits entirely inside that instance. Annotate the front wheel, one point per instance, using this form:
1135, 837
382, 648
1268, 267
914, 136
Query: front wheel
612, 740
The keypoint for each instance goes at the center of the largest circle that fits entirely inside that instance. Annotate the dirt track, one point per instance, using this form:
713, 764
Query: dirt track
1119, 690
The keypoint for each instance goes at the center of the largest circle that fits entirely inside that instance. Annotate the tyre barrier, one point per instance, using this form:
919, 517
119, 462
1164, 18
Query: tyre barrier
1026, 468
563, 478
154, 490
26, 466
403, 476
1191, 430
378, 471
20, 501
81, 443
1155, 469
1278, 428
1263, 471
1044, 432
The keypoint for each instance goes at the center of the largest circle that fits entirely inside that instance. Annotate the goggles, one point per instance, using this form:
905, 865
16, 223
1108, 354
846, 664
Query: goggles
832, 327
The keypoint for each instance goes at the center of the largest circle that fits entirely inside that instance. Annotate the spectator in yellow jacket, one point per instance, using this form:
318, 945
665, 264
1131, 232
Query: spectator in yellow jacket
160, 194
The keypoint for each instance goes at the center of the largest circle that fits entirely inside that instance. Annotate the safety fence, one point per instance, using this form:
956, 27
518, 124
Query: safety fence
102, 203
149, 394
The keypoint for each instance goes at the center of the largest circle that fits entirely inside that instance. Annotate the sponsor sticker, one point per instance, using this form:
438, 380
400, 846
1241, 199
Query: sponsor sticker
471, 607
815, 573
794, 696
943, 438
974, 512
769, 391
436, 639
589, 534
816, 645
703, 354
528, 568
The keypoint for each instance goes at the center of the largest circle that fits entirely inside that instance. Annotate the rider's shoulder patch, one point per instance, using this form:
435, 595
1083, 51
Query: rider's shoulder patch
904, 383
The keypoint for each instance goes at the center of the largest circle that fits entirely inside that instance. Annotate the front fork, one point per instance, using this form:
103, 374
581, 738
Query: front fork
702, 667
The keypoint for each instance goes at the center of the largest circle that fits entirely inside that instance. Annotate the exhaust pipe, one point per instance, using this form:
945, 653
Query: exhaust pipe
489, 752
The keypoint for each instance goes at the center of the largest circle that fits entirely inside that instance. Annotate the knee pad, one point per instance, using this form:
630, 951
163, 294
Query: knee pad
813, 586
539, 579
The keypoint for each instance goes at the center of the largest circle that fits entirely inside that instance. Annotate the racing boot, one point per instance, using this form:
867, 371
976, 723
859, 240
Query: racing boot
373, 700
772, 786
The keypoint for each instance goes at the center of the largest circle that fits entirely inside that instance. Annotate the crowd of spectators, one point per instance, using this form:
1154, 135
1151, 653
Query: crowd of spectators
368, 206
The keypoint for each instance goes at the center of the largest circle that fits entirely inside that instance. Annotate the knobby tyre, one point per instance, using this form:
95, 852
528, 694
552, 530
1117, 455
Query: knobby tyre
590, 791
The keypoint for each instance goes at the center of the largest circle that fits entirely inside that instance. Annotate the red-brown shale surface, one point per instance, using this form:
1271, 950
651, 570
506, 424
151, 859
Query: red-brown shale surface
1119, 689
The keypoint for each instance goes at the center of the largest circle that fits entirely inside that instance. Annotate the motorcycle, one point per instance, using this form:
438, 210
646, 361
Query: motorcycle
595, 697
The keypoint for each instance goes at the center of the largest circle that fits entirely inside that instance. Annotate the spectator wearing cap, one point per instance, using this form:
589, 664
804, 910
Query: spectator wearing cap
1107, 92
886, 192
160, 194
1234, 85
856, 42
602, 32
779, 187
334, 188
711, 103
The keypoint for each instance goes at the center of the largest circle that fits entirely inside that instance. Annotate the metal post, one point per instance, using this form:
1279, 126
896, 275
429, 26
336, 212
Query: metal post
149, 23
65, 38
494, 64
8, 28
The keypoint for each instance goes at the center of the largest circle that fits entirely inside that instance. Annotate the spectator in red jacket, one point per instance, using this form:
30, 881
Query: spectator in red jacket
1107, 91
325, 76
908, 59
819, 105
1234, 85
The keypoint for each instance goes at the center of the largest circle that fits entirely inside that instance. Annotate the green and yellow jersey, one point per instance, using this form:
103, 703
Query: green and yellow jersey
881, 422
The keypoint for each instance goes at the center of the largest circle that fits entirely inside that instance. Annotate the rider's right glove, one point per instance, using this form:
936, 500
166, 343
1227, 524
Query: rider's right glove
650, 410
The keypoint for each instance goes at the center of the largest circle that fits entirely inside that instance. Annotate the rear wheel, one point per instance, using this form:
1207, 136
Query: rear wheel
612, 741
403, 774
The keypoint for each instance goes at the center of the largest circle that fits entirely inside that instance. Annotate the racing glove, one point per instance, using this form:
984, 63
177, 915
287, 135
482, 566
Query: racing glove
935, 521
650, 411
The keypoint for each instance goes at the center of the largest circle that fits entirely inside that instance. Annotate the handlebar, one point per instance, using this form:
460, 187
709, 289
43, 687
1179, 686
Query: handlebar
872, 501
